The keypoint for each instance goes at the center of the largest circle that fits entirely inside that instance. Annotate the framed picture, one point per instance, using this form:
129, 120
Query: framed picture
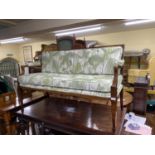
27, 52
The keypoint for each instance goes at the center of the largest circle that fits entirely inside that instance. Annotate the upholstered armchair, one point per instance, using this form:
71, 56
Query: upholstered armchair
134, 73
65, 42
9, 71
9, 66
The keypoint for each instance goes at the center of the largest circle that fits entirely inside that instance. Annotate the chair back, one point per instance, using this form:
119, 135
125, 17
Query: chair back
9, 66
65, 43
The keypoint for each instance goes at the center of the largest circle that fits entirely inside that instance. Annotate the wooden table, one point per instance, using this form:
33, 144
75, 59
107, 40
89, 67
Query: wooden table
127, 100
7, 110
72, 117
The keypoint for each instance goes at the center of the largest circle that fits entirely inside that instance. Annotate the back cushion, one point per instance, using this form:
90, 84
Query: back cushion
82, 61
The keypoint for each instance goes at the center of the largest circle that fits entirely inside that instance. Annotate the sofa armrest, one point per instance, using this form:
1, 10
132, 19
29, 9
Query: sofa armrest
115, 80
114, 84
120, 63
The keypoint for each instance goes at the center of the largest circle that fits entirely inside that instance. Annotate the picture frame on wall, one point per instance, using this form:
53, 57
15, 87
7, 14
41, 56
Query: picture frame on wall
27, 52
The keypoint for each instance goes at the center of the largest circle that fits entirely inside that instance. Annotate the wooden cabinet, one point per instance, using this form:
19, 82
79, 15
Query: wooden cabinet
134, 60
140, 95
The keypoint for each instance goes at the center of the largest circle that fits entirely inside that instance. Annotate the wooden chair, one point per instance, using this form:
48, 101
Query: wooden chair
51, 47
80, 44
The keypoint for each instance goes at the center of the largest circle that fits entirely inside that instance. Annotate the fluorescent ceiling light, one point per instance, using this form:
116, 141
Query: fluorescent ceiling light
13, 40
139, 22
78, 30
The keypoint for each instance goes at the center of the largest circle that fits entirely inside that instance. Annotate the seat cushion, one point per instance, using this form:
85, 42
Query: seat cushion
95, 83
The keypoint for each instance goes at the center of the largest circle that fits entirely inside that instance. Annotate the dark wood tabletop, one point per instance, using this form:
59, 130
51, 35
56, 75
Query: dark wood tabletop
16, 105
73, 117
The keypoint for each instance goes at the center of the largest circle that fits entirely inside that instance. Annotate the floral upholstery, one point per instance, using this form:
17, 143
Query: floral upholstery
98, 83
84, 71
84, 92
84, 61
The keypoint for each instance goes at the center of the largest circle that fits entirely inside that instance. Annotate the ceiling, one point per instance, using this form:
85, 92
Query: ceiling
7, 23
41, 29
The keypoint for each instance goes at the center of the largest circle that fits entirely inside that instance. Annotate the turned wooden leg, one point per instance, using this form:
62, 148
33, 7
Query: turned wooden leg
7, 118
20, 97
113, 106
121, 99
33, 128
113, 112
46, 94
23, 126
41, 128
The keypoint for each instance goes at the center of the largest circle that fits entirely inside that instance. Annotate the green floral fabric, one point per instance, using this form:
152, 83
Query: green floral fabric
84, 92
97, 83
83, 61
83, 71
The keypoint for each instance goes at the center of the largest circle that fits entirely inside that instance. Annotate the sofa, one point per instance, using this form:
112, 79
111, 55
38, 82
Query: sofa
82, 74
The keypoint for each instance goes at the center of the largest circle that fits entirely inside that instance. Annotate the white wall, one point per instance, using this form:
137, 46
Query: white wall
133, 40
35, 47
9, 49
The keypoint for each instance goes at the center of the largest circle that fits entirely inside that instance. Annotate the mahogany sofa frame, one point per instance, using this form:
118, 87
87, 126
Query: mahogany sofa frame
87, 98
